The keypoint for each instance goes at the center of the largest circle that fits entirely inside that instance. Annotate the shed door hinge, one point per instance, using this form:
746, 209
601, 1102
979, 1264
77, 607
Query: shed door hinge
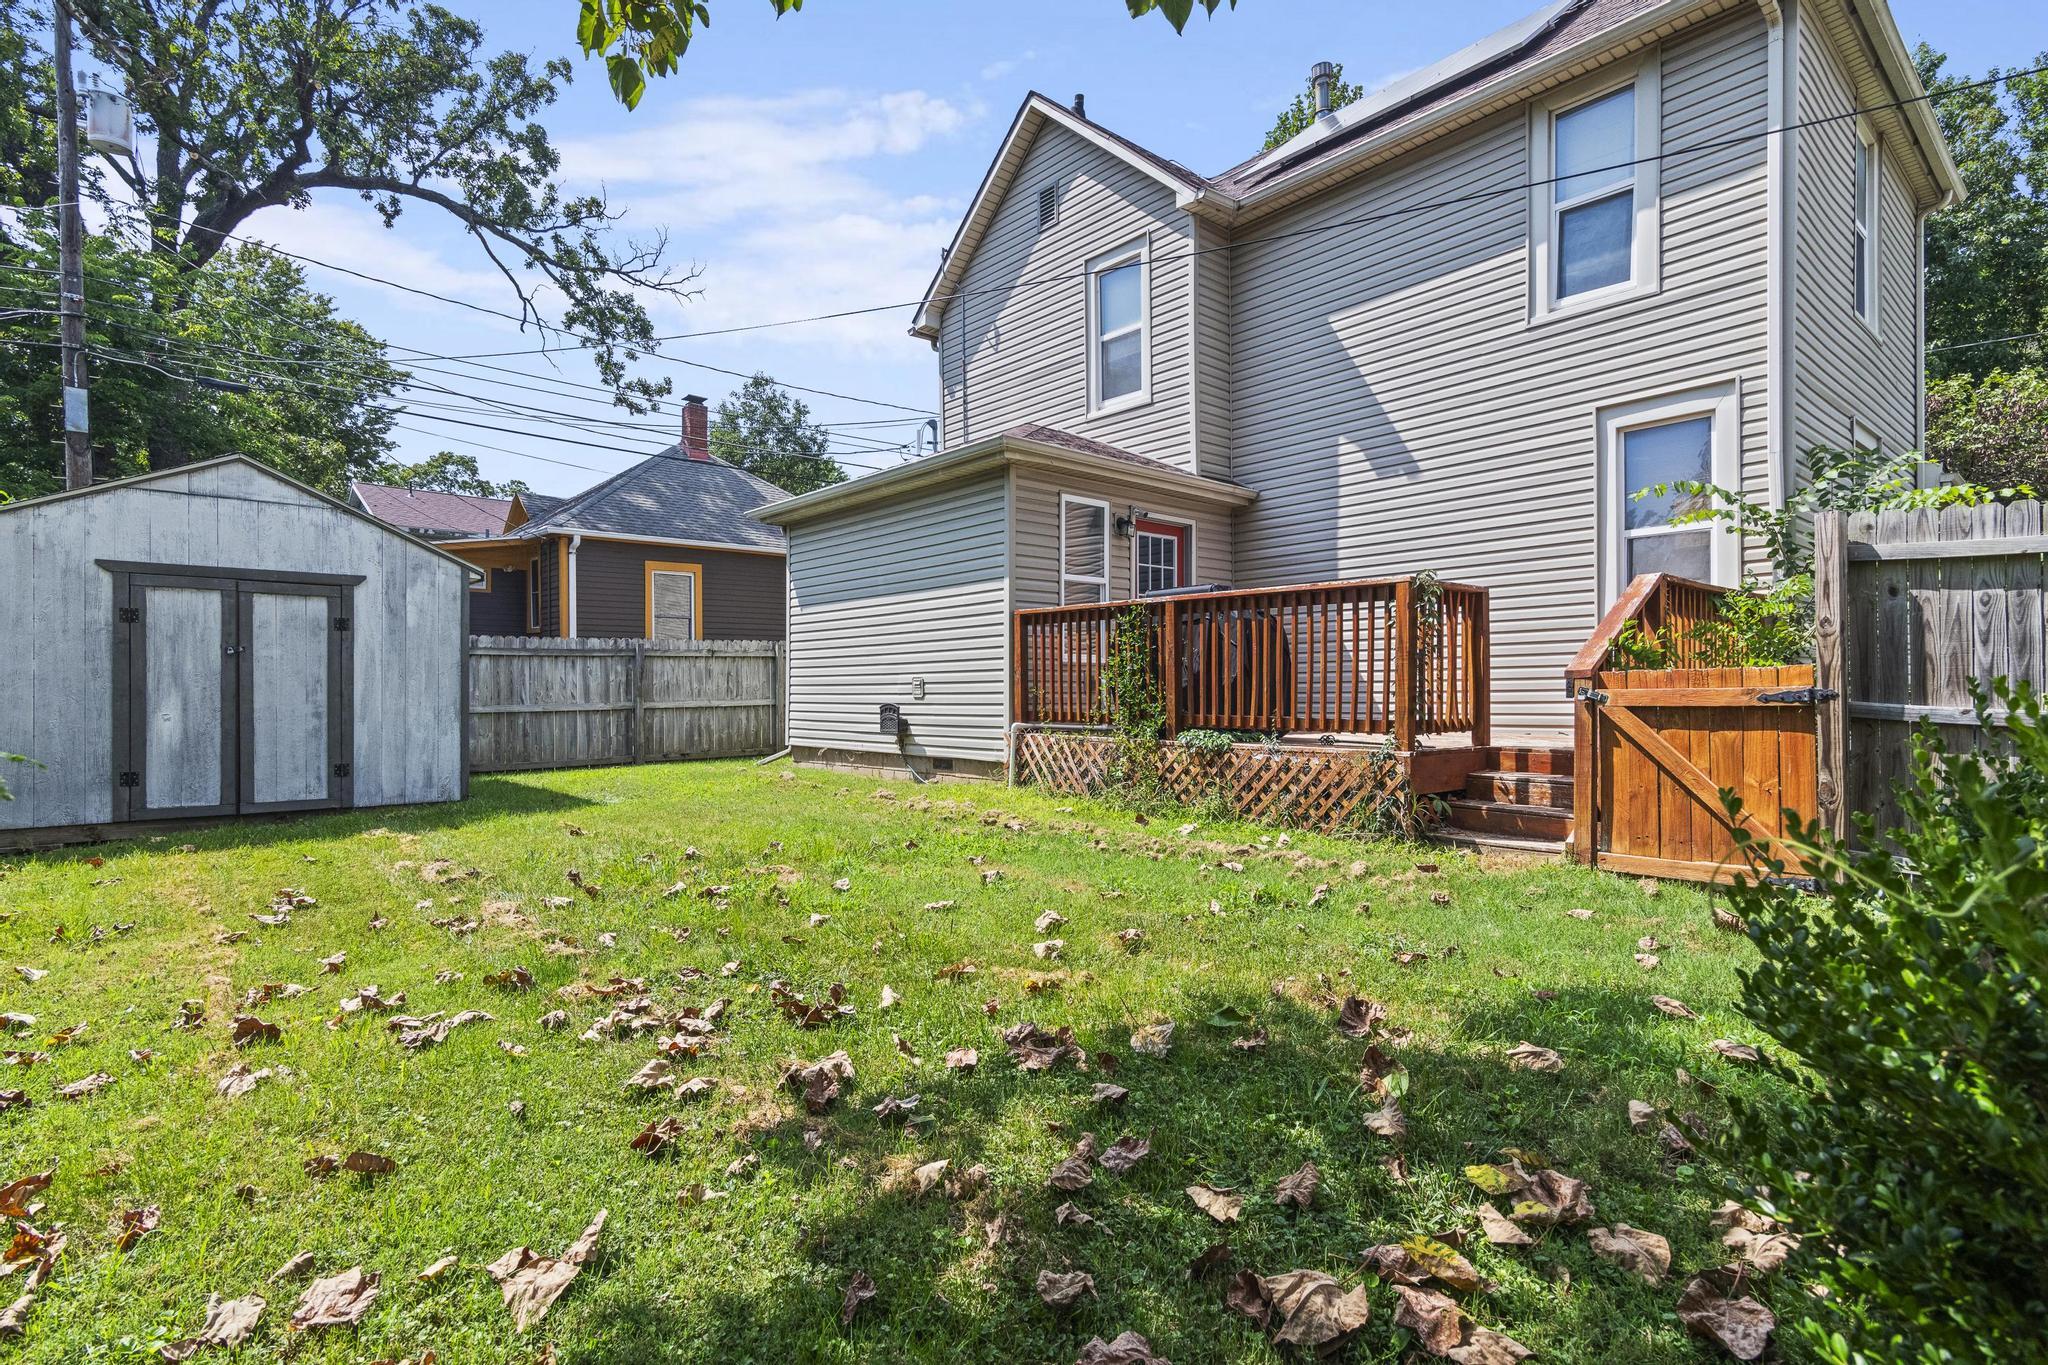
128, 616
1798, 696
341, 623
131, 779
341, 770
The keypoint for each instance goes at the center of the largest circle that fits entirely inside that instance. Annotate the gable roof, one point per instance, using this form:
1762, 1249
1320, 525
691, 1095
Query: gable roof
667, 496
1028, 444
1556, 43
424, 509
219, 461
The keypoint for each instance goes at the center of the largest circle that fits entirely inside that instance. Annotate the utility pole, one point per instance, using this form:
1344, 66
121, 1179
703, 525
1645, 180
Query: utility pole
70, 265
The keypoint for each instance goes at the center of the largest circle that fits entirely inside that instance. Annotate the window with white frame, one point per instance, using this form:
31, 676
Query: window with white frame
1084, 550
1866, 227
672, 605
1650, 452
1119, 360
1159, 555
1594, 205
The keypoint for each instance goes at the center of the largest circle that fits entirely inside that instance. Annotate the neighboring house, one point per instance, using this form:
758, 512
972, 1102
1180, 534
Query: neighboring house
667, 549
429, 513
1450, 327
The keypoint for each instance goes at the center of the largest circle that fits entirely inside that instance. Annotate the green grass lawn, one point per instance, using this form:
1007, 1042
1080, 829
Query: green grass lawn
756, 1272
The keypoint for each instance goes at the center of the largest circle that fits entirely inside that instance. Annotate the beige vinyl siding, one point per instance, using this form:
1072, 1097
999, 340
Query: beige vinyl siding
1397, 411
1035, 529
1025, 345
1841, 374
915, 587
1212, 352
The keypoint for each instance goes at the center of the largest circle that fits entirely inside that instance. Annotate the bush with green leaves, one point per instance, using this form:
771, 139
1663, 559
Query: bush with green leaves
1911, 1146
1209, 742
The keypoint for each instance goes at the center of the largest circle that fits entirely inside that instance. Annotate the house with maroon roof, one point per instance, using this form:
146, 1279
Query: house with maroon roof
1448, 334
429, 513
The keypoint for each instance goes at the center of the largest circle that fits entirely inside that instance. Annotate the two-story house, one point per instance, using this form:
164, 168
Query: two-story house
1451, 327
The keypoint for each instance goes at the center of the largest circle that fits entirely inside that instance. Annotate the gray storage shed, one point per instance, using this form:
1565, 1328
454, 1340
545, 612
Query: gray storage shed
219, 640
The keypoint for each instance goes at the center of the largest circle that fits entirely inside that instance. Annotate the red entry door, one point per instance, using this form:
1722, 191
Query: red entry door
1164, 556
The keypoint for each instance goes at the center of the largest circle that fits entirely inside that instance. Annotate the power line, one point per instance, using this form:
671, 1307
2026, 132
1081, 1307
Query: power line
1987, 341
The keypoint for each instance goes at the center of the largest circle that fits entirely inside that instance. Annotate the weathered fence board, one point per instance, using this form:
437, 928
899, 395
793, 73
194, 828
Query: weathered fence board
543, 703
1932, 601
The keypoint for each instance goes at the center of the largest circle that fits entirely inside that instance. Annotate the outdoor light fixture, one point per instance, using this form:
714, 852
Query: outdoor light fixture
1128, 522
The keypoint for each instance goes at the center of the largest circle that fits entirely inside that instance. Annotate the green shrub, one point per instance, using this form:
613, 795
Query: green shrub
1912, 1146
1210, 742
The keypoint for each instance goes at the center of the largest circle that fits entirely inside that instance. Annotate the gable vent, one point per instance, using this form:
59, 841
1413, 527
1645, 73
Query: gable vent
1048, 207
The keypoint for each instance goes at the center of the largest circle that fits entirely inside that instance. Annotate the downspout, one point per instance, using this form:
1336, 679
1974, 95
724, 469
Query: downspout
1780, 158
574, 542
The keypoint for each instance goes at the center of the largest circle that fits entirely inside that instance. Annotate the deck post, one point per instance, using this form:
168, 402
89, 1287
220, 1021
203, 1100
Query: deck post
1830, 671
1481, 671
1404, 665
1169, 664
1018, 668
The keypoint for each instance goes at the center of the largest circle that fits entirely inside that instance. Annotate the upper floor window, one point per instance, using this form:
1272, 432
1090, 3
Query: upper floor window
1119, 360
1866, 228
1594, 206
1084, 550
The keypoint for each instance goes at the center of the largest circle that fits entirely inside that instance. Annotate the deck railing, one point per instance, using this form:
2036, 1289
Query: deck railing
1403, 657
1659, 606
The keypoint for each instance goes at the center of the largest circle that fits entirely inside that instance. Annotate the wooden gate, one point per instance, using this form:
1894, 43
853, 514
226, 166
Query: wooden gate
1657, 749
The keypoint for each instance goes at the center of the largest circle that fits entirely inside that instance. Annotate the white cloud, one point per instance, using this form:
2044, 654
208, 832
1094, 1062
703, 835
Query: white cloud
996, 70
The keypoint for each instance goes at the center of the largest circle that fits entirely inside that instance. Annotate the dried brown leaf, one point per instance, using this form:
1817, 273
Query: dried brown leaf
229, 1322
338, 1300
1064, 1290
531, 1283
1530, 1057
858, 1291
1123, 1154
1740, 1326
1642, 1254
1500, 1230
1225, 1206
1299, 1189
1127, 1349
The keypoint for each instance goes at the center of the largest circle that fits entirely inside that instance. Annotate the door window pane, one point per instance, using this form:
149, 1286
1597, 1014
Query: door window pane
1672, 453
1158, 562
1595, 244
1685, 553
1594, 143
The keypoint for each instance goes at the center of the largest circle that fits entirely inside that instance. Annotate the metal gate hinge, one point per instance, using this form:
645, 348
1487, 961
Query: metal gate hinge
1592, 696
1810, 885
1798, 696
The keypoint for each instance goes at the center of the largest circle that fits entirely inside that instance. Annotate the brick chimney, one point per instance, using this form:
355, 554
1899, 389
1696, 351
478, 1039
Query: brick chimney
696, 428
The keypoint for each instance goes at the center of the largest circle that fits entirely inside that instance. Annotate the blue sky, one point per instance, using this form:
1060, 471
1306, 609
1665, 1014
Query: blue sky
819, 162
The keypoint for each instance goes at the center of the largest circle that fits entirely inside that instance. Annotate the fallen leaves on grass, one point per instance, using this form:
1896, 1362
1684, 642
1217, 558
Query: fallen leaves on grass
1530, 1057
14, 1099
962, 1059
415, 1034
1034, 1049
1542, 1196
512, 978
858, 1291
293, 1269
896, 1108
1301, 1307
366, 999
1740, 1326
85, 1086
657, 1136
1415, 1259
241, 1079
1076, 1172
806, 1015
337, 1300
1153, 1040
1734, 1051
1299, 1189
531, 1283
1755, 1239
1047, 949
1225, 1206
1388, 1121
1677, 1009
820, 1081
1442, 1329
1500, 1229
1358, 1017
1642, 1254
1127, 1349
1065, 1289
132, 1225
1120, 1156
247, 1029
1105, 1093
16, 1195
229, 1322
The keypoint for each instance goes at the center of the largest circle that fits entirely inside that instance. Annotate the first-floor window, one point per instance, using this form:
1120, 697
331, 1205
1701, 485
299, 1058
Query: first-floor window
1084, 550
1159, 550
533, 593
1657, 457
672, 605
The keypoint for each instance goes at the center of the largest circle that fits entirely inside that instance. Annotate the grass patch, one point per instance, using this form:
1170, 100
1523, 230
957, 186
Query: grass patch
757, 1274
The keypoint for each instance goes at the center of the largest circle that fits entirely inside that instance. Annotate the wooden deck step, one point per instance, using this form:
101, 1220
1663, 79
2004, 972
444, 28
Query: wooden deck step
1506, 818
1520, 788
1514, 758
1498, 843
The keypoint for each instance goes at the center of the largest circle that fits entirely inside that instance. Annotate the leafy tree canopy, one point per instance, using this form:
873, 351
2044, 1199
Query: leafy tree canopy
1987, 259
1991, 428
447, 472
766, 431
1296, 117
639, 39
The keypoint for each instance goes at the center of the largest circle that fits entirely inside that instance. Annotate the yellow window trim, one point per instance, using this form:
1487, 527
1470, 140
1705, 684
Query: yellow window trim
696, 572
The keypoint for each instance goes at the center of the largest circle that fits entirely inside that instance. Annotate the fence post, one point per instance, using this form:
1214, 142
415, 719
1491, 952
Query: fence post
639, 676
1404, 664
1830, 671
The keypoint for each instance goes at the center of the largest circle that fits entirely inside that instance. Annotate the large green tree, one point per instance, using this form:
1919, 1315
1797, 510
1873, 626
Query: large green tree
643, 38
768, 432
447, 472
247, 107
1987, 259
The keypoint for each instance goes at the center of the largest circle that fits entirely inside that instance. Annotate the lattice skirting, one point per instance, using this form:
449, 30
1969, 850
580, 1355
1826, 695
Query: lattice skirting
1311, 788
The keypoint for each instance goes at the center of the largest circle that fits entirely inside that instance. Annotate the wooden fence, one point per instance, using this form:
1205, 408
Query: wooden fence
1910, 609
543, 703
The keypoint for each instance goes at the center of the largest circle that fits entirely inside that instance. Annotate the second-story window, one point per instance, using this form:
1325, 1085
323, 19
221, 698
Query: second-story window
1866, 230
1119, 364
1593, 205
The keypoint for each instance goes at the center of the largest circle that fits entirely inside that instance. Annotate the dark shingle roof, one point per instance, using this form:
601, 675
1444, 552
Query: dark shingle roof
669, 496
540, 504
1066, 440
420, 509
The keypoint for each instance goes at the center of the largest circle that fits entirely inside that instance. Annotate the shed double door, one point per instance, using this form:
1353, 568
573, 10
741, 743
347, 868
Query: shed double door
231, 696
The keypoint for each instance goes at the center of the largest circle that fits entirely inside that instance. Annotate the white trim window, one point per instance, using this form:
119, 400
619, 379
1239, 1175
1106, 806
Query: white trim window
1162, 554
1865, 240
1084, 550
1593, 209
1119, 329
1684, 438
